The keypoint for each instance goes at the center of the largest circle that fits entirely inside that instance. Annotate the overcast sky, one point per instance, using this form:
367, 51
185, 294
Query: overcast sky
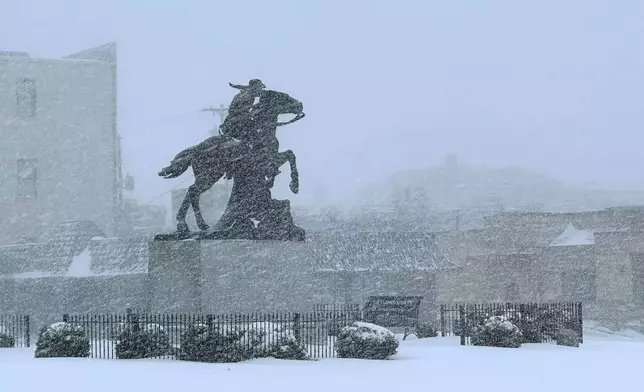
552, 85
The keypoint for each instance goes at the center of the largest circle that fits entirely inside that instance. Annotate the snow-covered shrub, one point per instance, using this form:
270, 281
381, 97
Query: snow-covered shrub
567, 337
552, 321
203, 344
6, 339
62, 340
425, 330
267, 339
228, 344
497, 331
531, 331
365, 341
146, 341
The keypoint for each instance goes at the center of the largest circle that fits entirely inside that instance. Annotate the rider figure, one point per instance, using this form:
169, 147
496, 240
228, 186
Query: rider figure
237, 122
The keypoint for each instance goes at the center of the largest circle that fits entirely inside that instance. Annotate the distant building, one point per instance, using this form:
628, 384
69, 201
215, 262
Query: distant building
594, 257
60, 155
142, 220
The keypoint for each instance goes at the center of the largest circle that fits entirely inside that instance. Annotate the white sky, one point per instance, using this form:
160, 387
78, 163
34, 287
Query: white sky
557, 86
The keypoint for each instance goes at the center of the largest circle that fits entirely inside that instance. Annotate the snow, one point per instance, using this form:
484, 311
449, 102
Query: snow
373, 328
32, 275
601, 364
572, 237
81, 264
368, 331
79, 267
500, 322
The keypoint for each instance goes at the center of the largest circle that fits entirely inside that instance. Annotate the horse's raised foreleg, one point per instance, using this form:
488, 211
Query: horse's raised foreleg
289, 156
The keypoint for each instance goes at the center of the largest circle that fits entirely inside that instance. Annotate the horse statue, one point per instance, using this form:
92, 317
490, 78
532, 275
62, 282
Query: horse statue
252, 160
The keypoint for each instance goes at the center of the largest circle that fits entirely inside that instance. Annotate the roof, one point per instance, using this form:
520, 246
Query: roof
373, 251
79, 249
106, 54
75, 249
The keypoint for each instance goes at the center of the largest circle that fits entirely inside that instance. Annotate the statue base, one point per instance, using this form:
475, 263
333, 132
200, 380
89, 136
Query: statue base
237, 276
294, 233
276, 225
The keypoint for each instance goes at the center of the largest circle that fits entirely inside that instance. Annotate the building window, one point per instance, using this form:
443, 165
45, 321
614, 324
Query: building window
26, 98
579, 285
27, 176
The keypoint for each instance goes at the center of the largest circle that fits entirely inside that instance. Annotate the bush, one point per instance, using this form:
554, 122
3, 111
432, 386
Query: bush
366, 341
531, 332
425, 330
6, 339
148, 341
62, 340
226, 344
567, 337
202, 344
273, 340
497, 331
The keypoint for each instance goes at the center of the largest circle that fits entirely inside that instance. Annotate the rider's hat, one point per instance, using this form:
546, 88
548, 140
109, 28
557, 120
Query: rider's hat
256, 83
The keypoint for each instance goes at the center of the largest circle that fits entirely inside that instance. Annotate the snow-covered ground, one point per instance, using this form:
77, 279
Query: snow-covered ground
604, 363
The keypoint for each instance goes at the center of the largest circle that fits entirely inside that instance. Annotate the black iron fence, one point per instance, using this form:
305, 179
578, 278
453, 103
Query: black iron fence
15, 331
539, 322
316, 331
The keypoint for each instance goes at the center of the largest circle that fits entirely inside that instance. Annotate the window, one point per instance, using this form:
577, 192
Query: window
579, 285
26, 98
27, 174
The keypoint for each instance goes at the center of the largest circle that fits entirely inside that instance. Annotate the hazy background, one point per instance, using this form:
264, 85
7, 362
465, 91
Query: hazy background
555, 86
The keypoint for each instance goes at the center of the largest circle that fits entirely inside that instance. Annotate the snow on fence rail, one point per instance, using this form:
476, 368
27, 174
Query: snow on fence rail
541, 319
15, 330
316, 330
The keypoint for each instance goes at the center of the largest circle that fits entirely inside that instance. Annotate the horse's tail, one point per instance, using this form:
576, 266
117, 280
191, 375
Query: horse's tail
179, 164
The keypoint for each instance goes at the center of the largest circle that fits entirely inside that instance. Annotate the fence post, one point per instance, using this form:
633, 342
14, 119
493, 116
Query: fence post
65, 318
581, 323
461, 314
296, 326
209, 322
27, 332
442, 320
132, 320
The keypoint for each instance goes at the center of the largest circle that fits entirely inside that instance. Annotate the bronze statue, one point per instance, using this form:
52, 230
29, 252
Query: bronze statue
238, 120
252, 159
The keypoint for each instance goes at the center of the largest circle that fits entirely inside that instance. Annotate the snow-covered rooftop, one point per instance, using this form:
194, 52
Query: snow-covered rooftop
572, 236
79, 249
75, 249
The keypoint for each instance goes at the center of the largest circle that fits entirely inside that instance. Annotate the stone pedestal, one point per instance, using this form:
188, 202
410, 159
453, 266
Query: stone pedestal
175, 276
231, 276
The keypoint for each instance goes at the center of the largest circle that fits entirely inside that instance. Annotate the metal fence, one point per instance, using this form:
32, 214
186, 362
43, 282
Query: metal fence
15, 331
539, 322
316, 331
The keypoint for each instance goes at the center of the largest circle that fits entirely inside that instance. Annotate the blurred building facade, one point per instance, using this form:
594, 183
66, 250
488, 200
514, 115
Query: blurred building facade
60, 155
